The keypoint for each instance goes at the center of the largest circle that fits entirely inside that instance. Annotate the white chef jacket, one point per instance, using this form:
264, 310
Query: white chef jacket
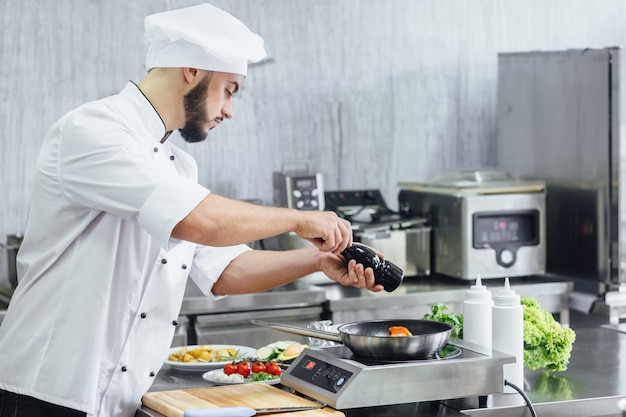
101, 281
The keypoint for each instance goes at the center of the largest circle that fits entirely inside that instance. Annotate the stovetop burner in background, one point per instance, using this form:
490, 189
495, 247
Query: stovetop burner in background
404, 238
362, 207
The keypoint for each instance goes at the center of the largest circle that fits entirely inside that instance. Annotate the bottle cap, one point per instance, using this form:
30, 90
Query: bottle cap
507, 296
478, 292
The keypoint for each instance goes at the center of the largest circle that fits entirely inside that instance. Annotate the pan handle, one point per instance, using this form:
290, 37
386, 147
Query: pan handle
302, 331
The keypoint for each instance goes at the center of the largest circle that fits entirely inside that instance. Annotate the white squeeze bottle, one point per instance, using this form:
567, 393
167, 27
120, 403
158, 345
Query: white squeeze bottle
508, 333
477, 311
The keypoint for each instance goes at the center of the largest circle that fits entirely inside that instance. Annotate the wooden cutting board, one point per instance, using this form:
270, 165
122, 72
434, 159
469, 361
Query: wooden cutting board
174, 403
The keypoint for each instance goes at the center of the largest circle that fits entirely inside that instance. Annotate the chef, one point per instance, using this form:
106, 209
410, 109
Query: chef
118, 222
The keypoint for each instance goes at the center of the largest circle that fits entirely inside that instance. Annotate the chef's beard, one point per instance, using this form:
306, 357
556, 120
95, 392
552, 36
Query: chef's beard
195, 112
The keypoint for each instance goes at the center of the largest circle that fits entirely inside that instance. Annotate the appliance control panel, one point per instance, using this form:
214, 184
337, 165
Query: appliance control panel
505, 232
321, 374
299, 191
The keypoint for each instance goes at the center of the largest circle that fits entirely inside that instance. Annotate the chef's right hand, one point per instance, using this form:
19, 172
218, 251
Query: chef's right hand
327, 231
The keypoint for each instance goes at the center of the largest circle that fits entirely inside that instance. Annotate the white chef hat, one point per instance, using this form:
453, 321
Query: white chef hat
202, 37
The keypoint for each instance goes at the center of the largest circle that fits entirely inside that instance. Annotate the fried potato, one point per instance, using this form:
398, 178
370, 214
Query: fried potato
227, 353
204, 353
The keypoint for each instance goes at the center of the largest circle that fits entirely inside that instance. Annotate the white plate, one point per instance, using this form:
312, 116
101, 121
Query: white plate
244, 352
210, 376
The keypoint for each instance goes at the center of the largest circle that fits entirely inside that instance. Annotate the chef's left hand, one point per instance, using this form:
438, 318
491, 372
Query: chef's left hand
352, 274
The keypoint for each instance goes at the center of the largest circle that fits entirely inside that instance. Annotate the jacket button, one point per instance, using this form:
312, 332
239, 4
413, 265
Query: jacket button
152, 374
163, 261
144, 315
184, 266
175, 323
124, 369
155, 149
172, 157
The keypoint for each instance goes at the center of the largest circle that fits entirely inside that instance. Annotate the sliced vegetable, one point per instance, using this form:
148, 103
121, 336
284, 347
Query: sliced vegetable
265, 353
282, 351
290, 353
282, 345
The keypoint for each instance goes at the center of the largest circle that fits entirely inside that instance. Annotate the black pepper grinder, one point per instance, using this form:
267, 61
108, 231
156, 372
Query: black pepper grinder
385, 273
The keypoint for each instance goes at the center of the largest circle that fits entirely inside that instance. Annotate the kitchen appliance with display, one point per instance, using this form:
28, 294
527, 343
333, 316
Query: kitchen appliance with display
335, 376
483, 222
297, 186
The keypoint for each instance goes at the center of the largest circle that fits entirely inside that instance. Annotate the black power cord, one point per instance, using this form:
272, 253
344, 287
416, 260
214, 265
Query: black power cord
524, 396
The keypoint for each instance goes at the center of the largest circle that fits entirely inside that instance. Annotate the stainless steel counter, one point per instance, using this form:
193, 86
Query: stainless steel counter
593, 384
291, 295
227, 320
415, 296
299, 303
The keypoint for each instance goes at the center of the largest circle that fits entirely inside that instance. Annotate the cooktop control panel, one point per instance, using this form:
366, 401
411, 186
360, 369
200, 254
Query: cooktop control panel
321, 374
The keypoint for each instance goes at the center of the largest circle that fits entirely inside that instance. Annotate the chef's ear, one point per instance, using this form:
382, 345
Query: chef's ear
189, 74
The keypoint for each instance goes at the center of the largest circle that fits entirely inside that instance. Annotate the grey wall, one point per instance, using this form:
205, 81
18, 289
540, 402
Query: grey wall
372, 92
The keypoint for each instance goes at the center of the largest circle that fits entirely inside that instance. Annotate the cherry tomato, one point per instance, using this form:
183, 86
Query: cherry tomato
230, 368
273, 368
258, 367
243, 368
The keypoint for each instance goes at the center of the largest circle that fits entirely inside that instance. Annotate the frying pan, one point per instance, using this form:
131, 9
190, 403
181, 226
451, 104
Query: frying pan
371, 338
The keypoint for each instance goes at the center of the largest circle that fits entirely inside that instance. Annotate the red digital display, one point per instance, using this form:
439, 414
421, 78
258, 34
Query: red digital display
310, 365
